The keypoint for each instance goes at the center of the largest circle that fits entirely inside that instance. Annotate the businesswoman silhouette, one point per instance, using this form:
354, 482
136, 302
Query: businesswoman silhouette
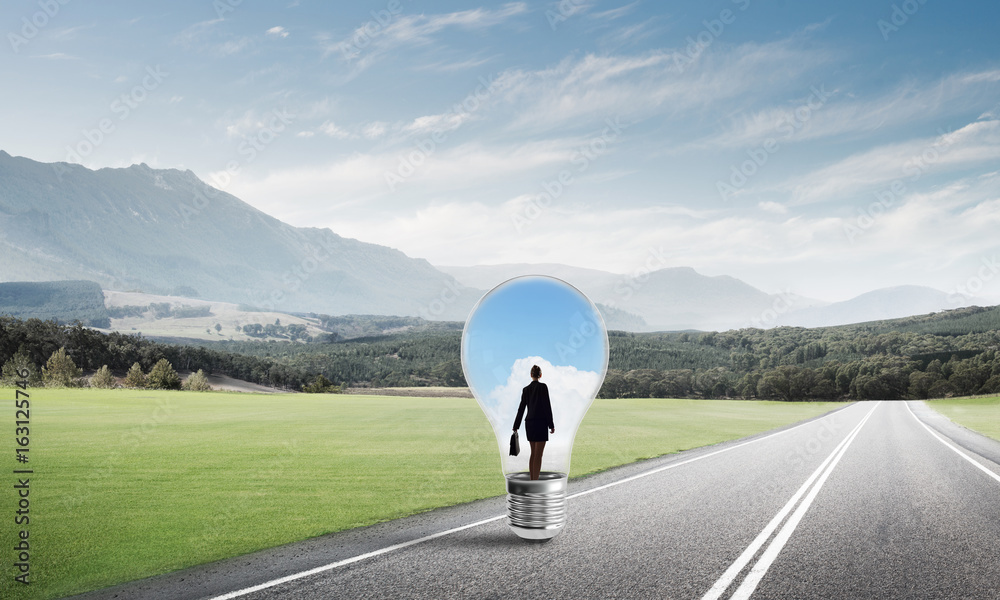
535, 398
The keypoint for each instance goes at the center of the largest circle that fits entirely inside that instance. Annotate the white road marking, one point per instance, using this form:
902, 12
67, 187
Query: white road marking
681, 463
347, 561
758, 571
959, 452
744, 559
400, 546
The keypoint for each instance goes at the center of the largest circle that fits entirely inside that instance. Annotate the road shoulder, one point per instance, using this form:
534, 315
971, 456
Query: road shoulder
963, 437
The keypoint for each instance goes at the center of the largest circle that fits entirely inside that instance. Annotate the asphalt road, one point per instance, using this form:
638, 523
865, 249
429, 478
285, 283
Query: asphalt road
877, 500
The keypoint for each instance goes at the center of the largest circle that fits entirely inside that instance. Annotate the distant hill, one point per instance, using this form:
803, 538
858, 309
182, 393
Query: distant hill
175, 319
167, 232
590, 281
962, 321
887, 303
670, 299
680, 298
64, 301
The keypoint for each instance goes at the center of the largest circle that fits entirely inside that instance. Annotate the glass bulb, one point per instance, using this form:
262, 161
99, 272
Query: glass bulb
527, 321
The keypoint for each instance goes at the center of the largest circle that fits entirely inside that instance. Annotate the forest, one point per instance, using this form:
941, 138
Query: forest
65, 301
943, 354
938, 355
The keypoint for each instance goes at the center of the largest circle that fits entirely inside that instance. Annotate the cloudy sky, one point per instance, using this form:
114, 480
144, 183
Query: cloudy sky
820, 148
531, 316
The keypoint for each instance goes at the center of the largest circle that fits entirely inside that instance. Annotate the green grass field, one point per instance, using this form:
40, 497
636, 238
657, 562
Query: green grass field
132, 483
979, 414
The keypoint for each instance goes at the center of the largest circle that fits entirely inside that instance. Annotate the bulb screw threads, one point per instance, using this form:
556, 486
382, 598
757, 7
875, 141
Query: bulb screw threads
536, 510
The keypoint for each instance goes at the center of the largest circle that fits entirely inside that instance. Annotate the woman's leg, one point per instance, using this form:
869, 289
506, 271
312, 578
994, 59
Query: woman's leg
535, 461
531, 460
538, 463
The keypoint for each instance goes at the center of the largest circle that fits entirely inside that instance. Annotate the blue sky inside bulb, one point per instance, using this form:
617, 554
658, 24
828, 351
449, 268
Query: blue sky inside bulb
535, 320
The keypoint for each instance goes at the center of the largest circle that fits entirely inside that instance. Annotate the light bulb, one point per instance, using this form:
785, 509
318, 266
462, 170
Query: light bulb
527, 321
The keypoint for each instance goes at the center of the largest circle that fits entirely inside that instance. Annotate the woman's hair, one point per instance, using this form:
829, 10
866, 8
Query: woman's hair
536, 371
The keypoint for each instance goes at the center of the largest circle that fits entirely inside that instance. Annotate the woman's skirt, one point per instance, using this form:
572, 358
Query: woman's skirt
536, 430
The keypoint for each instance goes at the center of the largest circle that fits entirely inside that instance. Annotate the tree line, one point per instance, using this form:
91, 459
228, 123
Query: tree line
160, 310
413, 359
952, 353
37, 340
930, 356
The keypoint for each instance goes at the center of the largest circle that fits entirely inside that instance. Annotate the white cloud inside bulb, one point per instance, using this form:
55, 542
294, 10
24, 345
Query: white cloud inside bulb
568, 387
571, 392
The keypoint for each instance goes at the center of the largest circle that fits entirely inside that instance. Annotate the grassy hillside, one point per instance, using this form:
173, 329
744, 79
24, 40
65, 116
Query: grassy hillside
134, 483
191, 320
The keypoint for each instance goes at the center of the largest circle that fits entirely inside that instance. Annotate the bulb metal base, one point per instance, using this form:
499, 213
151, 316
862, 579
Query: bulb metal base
536, 510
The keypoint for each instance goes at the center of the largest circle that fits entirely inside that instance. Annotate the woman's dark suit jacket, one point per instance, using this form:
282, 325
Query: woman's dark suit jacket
535, 397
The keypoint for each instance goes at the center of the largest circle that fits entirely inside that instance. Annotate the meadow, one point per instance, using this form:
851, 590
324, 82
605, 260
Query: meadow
980, 414
132, 483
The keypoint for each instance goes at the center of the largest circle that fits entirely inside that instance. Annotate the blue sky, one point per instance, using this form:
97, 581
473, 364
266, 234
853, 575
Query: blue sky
824, 149
528, 317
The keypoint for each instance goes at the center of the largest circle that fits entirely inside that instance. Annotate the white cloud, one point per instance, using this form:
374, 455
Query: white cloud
807, 251
375, 129
444, 122
630, 33
459, 167
67, 33
250, 122
318, 109
194, 34
235, 46
305, 134
875, 169
418, 28
277, 32
616, 13
243, 125
458, 65
982, 77
331, 129
371, 40
205, 36
844, 114
773, 207
654, 83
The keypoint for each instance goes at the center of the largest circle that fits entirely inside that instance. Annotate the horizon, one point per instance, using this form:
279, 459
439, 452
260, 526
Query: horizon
821, 151
635, 279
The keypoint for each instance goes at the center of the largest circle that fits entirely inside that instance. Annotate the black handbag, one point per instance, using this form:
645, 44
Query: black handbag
515, 445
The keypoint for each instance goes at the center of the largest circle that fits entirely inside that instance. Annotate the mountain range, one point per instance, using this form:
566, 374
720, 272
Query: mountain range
167, 232
679, 298
164, 231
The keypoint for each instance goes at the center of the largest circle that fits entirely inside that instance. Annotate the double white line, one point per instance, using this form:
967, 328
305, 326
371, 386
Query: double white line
809, 489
